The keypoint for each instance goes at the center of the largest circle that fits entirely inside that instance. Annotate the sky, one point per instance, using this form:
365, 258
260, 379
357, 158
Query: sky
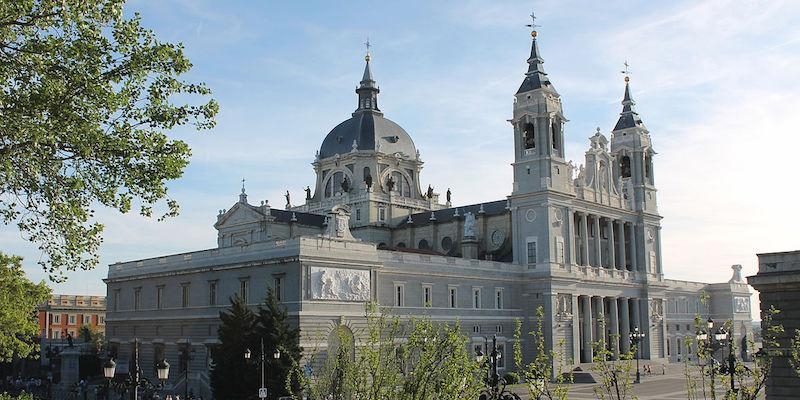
716, 83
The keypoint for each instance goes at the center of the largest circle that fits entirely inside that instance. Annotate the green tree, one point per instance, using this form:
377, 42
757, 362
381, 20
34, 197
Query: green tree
19, 298
95, 338
543, 381
86, 95
273, 326
231, 376
410, 360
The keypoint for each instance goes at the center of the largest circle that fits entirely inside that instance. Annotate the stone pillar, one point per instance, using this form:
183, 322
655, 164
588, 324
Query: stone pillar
634, 251
469, 248
600, 320
622, 258
637, 317
584, 240
624, 324
612, 260
576, 329
598, 249
586, 346
570, 220
613, 323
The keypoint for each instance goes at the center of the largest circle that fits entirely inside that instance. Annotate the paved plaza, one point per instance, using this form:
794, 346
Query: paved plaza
671, 386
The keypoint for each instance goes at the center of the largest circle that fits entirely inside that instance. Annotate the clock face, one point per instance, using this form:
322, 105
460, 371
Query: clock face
498, 237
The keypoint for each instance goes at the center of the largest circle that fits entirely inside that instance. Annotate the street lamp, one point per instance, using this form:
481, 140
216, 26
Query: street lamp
636, 336
262, 392
713, 341
495, 387
135, 378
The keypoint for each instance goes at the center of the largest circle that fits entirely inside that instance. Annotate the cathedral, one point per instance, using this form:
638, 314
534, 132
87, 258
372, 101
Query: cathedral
583, 242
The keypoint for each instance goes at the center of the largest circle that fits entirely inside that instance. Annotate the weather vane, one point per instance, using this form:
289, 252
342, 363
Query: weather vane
626, 71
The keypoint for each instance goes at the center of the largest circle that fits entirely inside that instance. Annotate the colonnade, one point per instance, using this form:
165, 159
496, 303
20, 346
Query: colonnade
604, 242
609, 320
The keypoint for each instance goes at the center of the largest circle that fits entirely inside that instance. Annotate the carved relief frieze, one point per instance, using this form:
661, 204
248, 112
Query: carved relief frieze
339, 284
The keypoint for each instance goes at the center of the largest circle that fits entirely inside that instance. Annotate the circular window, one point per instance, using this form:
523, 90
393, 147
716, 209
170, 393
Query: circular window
382, 246
530, 215
423, 245
447, 243
401, 245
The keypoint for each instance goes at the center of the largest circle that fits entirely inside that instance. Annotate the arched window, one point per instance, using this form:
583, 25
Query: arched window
334, 184
555, 128
401, 245
625, 167
401, 184
529, 136
423, 245
648, 168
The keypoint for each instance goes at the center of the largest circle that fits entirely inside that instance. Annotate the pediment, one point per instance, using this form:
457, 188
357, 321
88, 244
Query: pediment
239, 214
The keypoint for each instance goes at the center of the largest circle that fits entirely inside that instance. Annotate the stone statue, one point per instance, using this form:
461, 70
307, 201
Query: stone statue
69, 340
429, 193
469, 225
368, 181
448, 195
390, 184
288, 199
308, 192
345, 185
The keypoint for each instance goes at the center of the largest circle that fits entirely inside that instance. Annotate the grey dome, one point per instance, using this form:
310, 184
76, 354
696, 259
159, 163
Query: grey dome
371, 132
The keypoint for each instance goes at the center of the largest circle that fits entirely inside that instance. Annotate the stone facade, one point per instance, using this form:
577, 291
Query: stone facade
778, 284
582, 242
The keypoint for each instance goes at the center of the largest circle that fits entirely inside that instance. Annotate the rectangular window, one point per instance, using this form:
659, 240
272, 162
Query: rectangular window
476, 297
116, 300
185, 295
243, 283
137, 297
358, 214
498, 329
399, 295
160, 297
678, 347
453, 297
498, 298
101, 320
427, 293
87, 319
212, 293
279, 288
381, 214
532, 251
56, 318
55, 335
72, 319
476, 329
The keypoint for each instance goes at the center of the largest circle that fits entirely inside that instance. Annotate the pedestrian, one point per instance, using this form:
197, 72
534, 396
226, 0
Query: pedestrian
663, 369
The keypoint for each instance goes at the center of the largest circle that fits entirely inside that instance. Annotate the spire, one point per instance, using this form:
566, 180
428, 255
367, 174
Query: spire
628, 118
243, 195
368, 89
535, 78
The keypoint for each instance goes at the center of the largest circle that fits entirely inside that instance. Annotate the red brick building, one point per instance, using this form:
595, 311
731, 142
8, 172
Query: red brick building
66, 314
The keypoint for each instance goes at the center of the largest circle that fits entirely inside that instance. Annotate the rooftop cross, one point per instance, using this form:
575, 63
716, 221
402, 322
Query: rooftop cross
242, 185
367, 44
533, 22
625, 71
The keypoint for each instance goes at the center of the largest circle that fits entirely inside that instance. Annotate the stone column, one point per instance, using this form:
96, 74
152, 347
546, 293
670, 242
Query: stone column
600, 320
612, 260
634, 252
576, 329
570, 221
624, 324
614, 325
636, 315
598, 249
622, 259
586, 346
584, 240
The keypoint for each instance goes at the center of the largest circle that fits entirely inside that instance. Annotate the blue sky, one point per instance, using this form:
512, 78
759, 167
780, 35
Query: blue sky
715, 82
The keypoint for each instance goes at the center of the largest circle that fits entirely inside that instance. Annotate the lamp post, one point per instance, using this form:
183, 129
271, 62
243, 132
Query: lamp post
495, 387
636, 336
262, 392
713, 341
135, 378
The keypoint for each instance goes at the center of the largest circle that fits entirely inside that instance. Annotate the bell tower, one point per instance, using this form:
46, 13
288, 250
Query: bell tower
538, 122
631, 145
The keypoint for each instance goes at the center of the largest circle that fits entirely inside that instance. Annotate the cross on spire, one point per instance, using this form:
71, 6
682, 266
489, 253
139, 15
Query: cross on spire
367, 44
533, 22
242, 185
626, 71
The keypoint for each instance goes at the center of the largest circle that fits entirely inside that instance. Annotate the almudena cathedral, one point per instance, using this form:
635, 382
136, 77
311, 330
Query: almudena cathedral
583, 243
